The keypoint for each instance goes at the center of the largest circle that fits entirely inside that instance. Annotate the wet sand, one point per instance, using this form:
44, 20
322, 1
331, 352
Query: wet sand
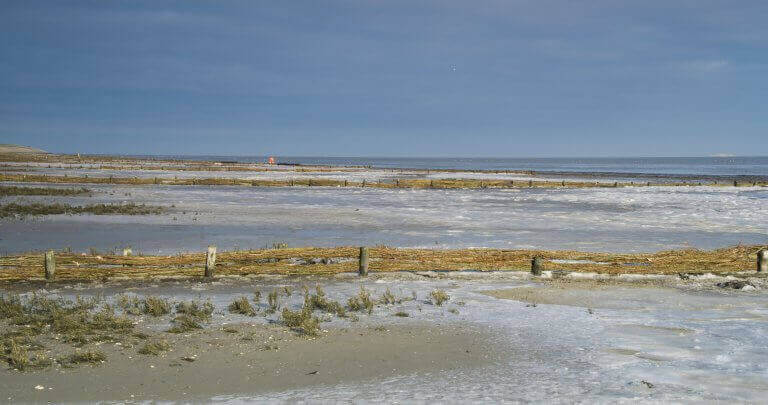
248, 359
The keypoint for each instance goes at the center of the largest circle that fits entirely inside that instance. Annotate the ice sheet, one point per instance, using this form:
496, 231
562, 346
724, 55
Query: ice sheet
622, 219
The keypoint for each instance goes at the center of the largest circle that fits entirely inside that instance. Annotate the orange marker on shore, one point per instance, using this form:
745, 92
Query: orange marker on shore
271, 160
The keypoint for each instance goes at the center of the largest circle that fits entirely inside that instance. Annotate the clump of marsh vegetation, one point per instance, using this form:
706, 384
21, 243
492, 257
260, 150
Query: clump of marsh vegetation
273, 301
34, 209
133, 305
17, 356
156, 306
361, 301
439, 297
388, 298
130, 304
242, 306
184, 323
321, 302
402, 314
302, 321
74, 322
14, 190
195, 309
92, 357
154, 348
190, 314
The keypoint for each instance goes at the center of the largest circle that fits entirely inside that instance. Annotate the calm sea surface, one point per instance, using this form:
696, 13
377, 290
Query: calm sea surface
703, 166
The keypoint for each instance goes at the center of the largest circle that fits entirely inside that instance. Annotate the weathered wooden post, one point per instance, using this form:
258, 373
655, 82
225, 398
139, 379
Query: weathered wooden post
210, 261
735, 183
536, 266
363, 269
762, 260
397, 181
50, 265
563, 183
530, 183
345, 183
431, 184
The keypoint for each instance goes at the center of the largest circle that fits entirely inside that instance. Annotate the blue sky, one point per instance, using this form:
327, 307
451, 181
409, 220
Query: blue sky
386, 78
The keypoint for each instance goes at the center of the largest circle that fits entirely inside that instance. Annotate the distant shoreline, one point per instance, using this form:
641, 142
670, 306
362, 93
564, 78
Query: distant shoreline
238, 164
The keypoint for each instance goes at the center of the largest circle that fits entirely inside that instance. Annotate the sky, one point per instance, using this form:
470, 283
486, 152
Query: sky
484, 78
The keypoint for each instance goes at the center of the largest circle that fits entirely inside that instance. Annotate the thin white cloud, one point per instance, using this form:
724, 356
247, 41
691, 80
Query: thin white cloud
706, 66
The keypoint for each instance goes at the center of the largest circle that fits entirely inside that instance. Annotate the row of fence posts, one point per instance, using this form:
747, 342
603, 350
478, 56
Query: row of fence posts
537, 263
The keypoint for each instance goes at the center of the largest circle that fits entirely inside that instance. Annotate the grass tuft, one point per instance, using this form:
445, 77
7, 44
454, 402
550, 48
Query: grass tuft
321, 302
439, 297
402, 314
303, 321
185, 323
361, 301
388, 298
242, 306
273, 301
196, 309
154, 348
156, 306
92, 357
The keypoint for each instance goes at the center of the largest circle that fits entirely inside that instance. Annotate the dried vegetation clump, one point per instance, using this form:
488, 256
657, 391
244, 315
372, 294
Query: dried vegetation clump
242, 306
439, 297
361, 302
154, 348
78, 323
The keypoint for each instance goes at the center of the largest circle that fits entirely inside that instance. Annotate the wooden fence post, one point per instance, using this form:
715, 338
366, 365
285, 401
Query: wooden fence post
210, 261
50, 265
363, 269
536, 266
762, 260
